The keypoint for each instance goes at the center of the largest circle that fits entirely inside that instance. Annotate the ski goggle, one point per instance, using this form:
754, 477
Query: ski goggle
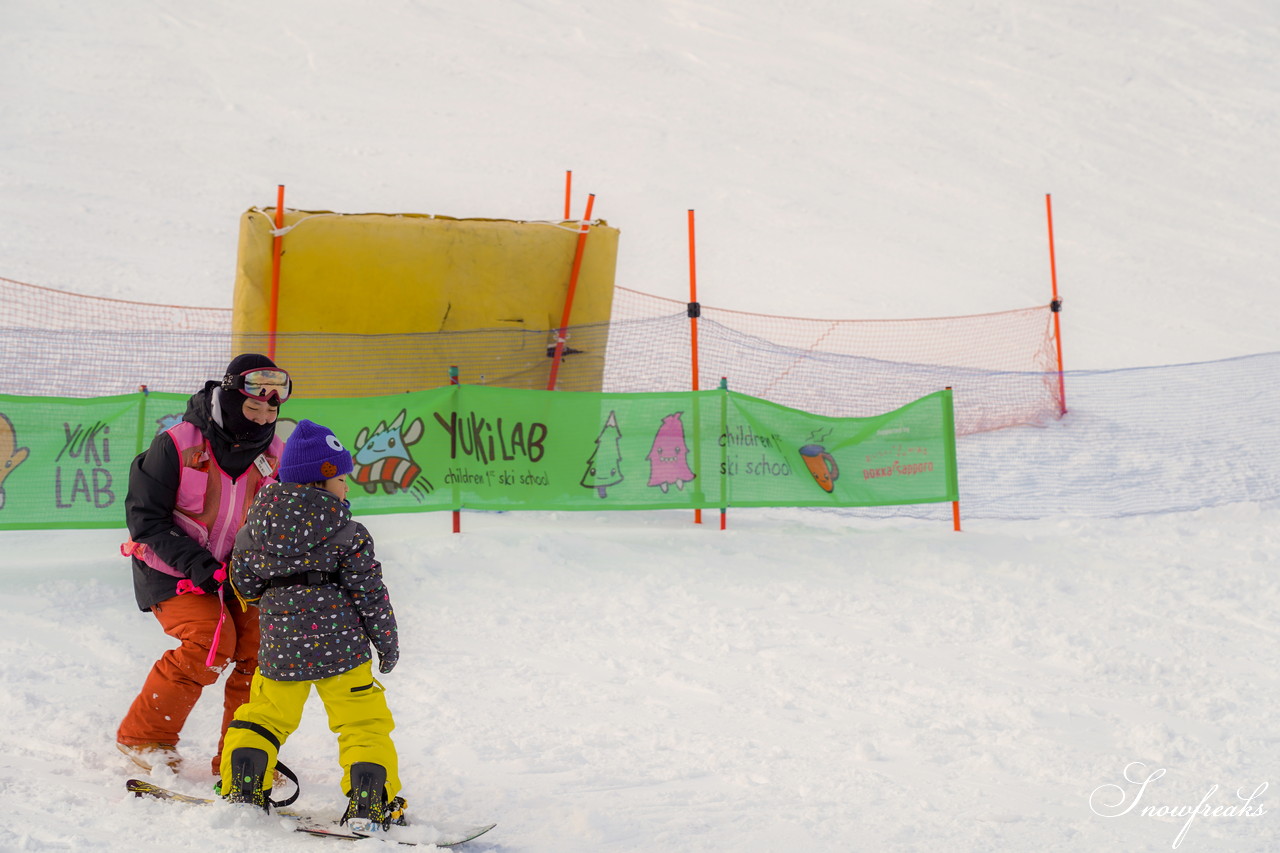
271, 384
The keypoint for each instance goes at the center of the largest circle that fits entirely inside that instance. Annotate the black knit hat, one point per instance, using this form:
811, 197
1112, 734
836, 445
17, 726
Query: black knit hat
229, 411
248, 361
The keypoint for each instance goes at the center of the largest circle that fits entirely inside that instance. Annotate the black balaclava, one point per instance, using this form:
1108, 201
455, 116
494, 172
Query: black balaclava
228, 406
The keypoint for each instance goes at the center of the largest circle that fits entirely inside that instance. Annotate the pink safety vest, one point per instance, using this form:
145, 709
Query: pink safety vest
210, 507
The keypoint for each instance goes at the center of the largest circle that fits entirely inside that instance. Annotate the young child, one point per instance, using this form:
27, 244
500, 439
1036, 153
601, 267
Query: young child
310, 570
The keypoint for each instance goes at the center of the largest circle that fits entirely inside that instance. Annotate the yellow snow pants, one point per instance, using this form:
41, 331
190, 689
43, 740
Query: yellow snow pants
358, 715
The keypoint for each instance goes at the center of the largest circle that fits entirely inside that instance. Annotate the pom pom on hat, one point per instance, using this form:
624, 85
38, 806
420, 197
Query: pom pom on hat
313, 454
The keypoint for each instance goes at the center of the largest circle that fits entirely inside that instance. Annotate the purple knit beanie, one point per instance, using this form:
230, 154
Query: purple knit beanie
313, 454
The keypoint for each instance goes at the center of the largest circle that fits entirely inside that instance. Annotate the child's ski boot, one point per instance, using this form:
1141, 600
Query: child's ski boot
368, 809
248, 769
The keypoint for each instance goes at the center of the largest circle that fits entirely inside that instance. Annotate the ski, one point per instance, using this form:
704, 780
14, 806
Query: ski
435, 833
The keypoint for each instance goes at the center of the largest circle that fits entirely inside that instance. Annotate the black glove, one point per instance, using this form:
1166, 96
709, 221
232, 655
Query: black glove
216, 576
386, 663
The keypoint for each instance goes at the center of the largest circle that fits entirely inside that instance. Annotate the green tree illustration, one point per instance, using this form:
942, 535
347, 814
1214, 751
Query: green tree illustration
604, 468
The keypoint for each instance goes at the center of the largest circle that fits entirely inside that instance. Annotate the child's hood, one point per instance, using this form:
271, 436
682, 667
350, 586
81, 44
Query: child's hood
290, 519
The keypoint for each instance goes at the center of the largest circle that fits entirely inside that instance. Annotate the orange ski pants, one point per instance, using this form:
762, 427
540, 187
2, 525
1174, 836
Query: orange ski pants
180, 675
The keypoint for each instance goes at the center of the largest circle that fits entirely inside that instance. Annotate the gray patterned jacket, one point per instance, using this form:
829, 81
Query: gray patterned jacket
312, 632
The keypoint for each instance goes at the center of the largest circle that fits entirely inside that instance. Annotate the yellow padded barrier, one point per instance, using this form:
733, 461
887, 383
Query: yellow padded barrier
398, 275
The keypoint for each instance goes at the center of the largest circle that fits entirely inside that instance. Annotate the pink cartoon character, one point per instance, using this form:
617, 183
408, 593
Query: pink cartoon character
668, 459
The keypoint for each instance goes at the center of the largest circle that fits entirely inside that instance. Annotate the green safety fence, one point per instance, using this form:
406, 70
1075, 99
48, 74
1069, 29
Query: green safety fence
64, 462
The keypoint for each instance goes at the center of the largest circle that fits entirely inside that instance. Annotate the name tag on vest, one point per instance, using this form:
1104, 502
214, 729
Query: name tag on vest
264, 467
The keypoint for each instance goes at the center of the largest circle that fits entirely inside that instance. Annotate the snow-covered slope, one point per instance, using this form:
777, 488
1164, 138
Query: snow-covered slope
845, 159
617, 682
633, 682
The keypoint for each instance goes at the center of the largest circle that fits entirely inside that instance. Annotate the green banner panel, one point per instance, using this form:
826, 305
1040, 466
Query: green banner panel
784, 457
65, 461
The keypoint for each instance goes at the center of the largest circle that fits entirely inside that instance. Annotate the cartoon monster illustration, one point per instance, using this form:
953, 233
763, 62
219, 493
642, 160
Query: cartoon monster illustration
668, 459
604, 468
382, 457
11, 456
821, 464
167, 422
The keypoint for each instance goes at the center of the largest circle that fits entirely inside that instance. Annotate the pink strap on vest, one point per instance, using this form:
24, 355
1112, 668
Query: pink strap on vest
220, 575
186, 436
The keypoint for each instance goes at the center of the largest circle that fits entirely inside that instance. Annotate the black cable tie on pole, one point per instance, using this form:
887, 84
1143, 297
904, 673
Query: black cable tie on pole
1055, 306
695, 310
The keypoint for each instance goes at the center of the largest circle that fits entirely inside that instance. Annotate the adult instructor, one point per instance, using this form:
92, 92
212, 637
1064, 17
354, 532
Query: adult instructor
187, 499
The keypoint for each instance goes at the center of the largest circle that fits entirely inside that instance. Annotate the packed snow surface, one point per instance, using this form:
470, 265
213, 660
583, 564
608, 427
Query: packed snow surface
803, 680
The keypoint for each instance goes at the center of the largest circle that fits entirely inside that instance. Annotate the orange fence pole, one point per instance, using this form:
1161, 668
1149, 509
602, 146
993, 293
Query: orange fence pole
457, 513
573, 286
1056, 306
724, 454
273, 313
951, 428
694, 312
568, 191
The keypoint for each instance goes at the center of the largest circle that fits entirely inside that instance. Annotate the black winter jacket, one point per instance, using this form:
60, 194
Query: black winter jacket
323, 630
153, 492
